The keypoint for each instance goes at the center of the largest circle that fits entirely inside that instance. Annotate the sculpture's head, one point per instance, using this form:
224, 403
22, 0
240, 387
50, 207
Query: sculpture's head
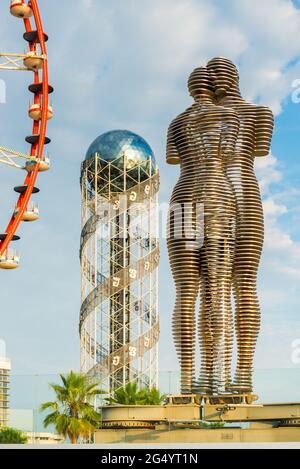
199, 83
223, 75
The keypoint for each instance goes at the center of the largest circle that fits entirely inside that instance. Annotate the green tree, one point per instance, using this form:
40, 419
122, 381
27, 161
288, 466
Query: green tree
10, 436
130, 395
151, 396
73, 413
212, 424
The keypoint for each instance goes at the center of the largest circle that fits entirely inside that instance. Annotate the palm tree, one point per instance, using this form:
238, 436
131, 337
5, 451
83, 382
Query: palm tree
72, 413
154, 397
130, 395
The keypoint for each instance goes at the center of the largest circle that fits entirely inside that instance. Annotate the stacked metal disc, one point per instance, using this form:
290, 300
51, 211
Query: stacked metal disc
201, 139
216, 227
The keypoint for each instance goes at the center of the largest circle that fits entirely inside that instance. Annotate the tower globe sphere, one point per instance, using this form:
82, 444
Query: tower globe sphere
124, 159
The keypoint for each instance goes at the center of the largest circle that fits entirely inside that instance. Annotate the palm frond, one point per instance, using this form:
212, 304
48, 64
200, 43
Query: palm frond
51, 419
49, 405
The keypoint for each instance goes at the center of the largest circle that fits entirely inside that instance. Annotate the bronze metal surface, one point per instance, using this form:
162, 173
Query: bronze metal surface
215, 228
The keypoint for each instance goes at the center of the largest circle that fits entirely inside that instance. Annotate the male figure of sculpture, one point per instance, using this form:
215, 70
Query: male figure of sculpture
200, 140
254, 139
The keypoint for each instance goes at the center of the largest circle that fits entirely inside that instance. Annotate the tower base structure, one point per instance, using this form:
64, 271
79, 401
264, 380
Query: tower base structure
197, 420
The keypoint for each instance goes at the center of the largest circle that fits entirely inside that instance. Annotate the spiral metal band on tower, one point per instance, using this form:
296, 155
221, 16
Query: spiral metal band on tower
119, 252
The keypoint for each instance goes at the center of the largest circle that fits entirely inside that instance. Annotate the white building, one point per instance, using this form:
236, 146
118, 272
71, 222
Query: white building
5, 367
43, 438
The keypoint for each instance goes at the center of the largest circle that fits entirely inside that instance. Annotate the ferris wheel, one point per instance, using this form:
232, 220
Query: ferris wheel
35, 161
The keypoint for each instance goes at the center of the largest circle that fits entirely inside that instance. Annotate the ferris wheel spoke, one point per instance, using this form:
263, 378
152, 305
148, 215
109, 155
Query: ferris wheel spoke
21, 62
14, 158
12, 62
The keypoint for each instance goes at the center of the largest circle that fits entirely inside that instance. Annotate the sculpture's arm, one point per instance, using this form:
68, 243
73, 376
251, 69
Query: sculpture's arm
264, 131
172, 152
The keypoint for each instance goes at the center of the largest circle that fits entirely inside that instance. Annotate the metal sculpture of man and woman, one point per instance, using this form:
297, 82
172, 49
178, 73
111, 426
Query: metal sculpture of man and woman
216, 255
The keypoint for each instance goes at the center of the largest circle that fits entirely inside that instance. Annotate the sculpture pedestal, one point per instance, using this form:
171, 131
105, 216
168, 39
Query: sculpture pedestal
183, 423
165, 435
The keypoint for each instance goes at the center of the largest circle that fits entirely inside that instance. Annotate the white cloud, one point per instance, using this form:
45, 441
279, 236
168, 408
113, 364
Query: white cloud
131, 59
272, 27
267, 172
278, 241
273, 210
280, 271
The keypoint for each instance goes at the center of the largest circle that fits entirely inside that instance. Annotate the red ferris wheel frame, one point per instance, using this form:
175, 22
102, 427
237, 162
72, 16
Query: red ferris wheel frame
40, 88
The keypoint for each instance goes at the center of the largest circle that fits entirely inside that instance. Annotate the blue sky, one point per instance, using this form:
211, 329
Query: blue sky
124, 64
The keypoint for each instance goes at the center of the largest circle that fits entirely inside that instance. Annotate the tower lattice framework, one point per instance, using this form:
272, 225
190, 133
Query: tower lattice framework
119, 252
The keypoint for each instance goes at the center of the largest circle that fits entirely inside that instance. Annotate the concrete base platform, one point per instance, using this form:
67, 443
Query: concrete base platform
182, 419
162, 435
